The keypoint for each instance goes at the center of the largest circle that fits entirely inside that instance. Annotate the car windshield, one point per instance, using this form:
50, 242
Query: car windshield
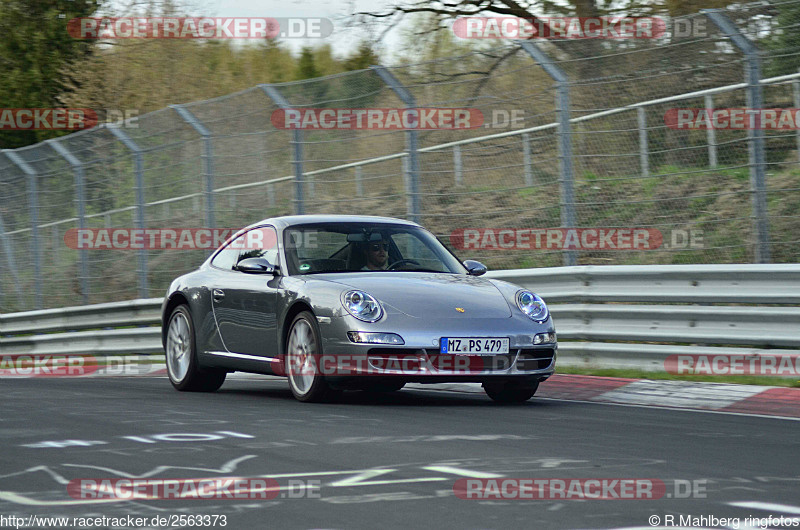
375, 247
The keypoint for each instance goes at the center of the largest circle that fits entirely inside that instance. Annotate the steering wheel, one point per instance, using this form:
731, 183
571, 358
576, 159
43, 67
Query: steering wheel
402, 262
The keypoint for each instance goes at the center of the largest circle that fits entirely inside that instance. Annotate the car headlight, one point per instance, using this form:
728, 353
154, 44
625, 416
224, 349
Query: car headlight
375, 338
363, 306
532, 305
545, 338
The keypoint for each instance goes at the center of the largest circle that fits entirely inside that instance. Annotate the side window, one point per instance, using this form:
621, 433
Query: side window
229, 256
261, 242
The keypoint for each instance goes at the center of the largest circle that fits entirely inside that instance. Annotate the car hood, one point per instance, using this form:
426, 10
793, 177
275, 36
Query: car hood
430, 295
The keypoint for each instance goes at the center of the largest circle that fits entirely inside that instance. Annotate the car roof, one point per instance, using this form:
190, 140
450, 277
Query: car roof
292, 220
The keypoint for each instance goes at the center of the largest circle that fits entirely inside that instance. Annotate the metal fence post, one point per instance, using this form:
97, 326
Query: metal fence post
566, 178
711, 135
755, 134
140, 216
56, 243
526, 159
412, 142
406, 182
9, 252
796, 100
33, 205
297, 141
359, 182
458, 168
644, 152
208, 159
80, 197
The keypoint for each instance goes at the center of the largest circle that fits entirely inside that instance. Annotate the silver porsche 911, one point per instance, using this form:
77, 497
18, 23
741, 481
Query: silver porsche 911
335, 302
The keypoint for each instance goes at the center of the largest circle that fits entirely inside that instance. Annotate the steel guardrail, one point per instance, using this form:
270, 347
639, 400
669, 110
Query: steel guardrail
612, 316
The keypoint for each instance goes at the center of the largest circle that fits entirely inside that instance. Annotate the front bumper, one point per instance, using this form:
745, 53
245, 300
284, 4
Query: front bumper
383, 360
419, 358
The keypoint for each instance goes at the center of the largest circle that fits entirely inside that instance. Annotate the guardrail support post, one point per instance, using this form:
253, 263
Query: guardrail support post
644, 154
128, 142
297, 142
412, 143
33, 204
208, 160
564, 140
80, 197
754, 132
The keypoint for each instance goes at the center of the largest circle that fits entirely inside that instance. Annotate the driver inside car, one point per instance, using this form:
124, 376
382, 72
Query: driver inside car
376, 256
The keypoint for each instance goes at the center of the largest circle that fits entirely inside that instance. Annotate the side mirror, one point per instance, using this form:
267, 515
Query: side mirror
475, 268
256, 266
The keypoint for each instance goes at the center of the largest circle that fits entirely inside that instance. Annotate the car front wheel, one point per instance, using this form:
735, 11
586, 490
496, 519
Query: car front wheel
183, 369
303, 354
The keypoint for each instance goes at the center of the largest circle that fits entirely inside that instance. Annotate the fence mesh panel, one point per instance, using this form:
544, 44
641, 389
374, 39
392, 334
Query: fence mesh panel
691, 189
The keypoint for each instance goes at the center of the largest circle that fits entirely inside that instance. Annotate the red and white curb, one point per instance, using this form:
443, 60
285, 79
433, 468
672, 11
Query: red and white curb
721, 397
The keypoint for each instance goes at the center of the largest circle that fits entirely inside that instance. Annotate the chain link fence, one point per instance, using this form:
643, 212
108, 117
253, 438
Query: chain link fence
574, 134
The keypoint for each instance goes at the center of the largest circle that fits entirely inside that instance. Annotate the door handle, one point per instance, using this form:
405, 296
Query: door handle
217, 294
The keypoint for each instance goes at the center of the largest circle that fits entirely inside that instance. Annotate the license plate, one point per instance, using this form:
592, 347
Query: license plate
473, 345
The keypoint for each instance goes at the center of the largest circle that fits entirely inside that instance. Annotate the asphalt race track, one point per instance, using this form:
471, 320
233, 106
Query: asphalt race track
381, 461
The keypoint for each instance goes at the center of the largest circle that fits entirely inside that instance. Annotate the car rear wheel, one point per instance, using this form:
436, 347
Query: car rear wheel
303, 354
183, 369
510, 392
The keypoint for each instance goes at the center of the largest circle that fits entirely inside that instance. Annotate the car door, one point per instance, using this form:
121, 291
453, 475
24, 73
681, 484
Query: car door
245, 304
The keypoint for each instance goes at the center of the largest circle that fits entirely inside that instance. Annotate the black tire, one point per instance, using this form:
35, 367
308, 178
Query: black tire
305, 381
510, 392
186, 374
